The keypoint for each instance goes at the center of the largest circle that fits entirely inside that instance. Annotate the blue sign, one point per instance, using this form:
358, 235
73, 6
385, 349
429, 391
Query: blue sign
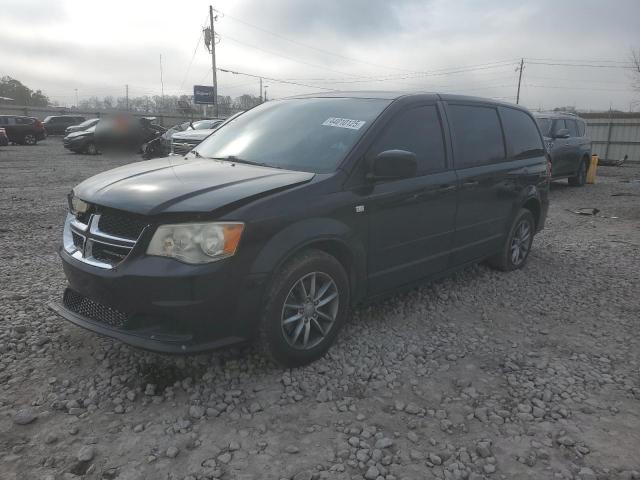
203, 94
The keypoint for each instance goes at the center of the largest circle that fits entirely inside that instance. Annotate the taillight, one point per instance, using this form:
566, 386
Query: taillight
39, 124
2, 130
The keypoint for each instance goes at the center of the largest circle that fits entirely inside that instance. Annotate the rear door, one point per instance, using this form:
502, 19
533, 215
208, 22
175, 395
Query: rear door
411, 220
574, 153
561, 151
484, 193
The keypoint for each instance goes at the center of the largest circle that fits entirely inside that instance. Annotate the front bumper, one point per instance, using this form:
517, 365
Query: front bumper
164, 305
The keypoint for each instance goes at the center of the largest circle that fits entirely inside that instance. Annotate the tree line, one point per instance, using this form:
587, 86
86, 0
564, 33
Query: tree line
16, 93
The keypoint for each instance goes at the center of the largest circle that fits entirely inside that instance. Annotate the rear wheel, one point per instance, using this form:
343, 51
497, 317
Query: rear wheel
306, 307
30, 139
580, 179
516, 249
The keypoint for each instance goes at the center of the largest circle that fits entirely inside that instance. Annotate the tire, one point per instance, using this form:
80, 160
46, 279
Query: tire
289, 320
516, 249
580, 179
91, 149
29, 139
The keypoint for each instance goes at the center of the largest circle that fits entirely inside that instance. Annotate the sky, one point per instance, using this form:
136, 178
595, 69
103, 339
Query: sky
467, 47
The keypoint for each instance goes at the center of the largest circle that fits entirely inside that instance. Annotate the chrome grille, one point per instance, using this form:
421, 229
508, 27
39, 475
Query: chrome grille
89, 243
86, 307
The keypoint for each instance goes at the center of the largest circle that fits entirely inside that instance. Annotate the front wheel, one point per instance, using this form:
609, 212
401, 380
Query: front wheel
91, 149
516, 249
580, 179
30, 139
306, 306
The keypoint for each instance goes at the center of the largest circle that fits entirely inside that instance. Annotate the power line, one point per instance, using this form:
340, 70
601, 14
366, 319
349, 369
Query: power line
195, 50
326, 52
590, 65
277, 80
271, 52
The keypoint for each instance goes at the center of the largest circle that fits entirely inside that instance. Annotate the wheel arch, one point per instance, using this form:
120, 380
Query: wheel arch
328, 235
533, 205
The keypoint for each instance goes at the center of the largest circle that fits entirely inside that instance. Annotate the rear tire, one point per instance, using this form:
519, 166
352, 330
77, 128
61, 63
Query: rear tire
517, 247
580, 179
30, 139
307, 304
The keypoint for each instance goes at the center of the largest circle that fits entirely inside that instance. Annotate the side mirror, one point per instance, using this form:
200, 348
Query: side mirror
562, 133
393, 164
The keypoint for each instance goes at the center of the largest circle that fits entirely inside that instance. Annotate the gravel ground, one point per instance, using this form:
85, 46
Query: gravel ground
530, 374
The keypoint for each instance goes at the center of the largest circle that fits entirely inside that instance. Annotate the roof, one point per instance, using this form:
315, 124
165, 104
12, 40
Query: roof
395, 95
555, 115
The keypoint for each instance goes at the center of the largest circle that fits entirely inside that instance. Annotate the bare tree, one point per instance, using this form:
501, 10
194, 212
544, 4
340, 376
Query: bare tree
635, 62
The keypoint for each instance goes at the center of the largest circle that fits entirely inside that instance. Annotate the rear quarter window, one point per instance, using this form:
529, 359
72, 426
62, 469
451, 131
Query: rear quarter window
477, 135
522, 134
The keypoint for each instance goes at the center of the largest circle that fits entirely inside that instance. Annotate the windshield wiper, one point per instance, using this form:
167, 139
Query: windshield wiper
195, 153
234, 159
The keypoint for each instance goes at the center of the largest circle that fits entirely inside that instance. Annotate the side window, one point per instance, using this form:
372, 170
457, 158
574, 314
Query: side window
582, 127
558, 124
477, 134
4, 121
522, 134
23, 121
417, 130
573, 128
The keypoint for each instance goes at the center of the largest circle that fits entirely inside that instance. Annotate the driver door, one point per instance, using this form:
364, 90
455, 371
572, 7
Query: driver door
411, 220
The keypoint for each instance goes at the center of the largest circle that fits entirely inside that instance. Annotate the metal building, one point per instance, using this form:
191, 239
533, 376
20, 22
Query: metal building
615, 136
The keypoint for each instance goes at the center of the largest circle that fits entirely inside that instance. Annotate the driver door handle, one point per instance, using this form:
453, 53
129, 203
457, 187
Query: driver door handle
470, 183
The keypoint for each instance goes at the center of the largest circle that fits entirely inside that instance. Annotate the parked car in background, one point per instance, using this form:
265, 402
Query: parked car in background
81, 126
82, 141
567, 142
57, 124
22, 130
285, 217
4, 140
183, 142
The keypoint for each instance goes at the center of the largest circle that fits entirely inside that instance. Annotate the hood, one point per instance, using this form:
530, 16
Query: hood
192, 135
78, 133
175, 184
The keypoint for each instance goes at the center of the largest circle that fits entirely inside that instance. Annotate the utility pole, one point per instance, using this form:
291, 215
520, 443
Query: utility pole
520, 80
127, 94
265, 92
213, 63
76, 97
261, 98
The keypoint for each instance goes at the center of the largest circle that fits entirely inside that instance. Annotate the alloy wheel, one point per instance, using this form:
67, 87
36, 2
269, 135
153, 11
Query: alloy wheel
30, 139
310, 310
520, 243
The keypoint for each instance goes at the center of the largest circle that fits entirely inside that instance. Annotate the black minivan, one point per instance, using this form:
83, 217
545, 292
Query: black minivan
296, 210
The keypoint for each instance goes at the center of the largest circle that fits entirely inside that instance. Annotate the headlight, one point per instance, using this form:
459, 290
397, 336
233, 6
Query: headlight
196, 242
77, 205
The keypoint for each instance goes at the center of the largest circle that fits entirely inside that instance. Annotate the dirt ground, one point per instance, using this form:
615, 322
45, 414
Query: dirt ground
532, 374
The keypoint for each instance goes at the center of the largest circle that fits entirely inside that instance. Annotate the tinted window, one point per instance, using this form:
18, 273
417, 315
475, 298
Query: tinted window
23, 121
478, 136
558, 124
545, 126
581, 128
417, 130
573, 128
308, 134
522, 134
4, 121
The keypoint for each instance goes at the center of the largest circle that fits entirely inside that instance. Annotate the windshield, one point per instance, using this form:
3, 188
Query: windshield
307, 134
88, 123
545, 126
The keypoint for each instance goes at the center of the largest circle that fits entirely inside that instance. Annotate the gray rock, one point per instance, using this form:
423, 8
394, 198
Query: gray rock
86, 453
172, 452
384, 442
24, 417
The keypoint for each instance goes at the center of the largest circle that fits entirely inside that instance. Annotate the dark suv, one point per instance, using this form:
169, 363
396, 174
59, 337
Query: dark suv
288, 215
57, 124
22, 130
567, 143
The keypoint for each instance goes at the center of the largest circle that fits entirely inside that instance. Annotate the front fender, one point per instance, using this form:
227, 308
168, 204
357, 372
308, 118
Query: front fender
322, 232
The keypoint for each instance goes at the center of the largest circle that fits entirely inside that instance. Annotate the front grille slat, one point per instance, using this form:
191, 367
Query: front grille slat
122, 224
93, 310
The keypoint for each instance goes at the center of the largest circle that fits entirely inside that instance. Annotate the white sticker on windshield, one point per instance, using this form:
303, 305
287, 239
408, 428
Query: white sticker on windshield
344, 123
